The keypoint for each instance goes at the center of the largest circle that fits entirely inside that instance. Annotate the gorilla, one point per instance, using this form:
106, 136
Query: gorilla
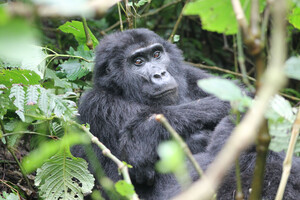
138, 74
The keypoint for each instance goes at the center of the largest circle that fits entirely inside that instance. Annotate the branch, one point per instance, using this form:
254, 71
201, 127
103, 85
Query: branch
106, 152
219, 69
161, 119
177, 22
240, 16
287, 163
142, 16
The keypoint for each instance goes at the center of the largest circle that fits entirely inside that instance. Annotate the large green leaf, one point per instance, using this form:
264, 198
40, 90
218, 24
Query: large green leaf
64, 178
76, 28
218, 15
18, 76
294, 18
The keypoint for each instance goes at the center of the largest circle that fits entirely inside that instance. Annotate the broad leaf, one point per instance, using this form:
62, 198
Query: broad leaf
76, 28
294, 17
18, 76
218, 15
65, 178
124, 188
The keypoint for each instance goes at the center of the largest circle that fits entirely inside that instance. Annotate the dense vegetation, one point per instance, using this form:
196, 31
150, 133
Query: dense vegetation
46, 63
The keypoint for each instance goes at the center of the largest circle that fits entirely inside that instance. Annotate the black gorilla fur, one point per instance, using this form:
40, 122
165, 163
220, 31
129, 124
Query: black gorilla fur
129, 88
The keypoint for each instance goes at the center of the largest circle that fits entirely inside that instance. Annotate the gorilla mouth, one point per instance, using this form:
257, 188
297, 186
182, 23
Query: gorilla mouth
164, 93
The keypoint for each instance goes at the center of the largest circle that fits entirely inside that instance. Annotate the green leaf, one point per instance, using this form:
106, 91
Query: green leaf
10, 196
292, 68
176, 38
218, 15
280, 117
87, 54
18, 76
76, 28
37, 157
4, 105
63, 83
124, 188
171, 157
62, 177
74, 69
18, 94
32, 95
294, 18
221, 88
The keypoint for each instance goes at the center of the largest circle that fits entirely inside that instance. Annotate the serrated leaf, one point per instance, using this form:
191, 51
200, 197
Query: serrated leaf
43, 101
76, 28
74, 69
280, 120
32, 95
292, 68
17, 94
124, 188
282, 108
218, 15
64, 178
4, 105
18, 76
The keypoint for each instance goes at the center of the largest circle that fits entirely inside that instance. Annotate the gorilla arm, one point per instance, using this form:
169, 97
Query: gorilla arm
142, 134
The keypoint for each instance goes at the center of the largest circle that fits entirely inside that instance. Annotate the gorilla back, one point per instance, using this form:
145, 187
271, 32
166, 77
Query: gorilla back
137, 75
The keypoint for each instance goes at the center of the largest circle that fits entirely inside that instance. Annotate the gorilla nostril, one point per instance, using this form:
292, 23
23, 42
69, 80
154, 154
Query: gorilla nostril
156, 76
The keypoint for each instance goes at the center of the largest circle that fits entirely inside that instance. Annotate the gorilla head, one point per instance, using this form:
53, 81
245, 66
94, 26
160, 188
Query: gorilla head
140, 66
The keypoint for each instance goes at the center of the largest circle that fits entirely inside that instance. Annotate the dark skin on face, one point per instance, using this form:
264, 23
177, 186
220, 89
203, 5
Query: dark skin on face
151, 63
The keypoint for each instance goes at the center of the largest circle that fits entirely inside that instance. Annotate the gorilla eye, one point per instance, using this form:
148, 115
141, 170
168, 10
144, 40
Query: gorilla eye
138, 61
156, 54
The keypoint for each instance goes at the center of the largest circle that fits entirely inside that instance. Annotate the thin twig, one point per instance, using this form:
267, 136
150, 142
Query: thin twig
219, 69
177, 22
161, 118
120, 17
106, 152
15, 157
287, 163
141, 16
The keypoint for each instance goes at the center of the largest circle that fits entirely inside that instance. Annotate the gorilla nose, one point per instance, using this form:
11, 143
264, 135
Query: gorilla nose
160, 75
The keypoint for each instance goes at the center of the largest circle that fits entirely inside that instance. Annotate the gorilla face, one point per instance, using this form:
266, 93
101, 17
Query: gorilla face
151, 64
139, 66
